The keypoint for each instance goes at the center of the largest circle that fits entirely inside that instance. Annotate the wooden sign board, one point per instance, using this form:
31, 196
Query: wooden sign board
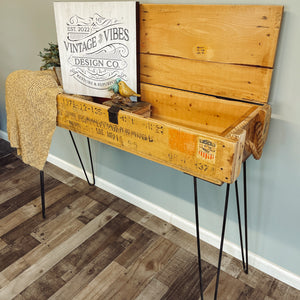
97, 44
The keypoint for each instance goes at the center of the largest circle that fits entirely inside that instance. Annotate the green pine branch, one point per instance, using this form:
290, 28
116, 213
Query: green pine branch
50, 57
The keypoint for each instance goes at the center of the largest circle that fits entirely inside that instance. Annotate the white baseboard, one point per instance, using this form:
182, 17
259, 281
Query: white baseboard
3, 135
212, 239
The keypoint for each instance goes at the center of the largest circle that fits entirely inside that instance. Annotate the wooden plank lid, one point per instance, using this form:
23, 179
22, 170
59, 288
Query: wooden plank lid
220, 50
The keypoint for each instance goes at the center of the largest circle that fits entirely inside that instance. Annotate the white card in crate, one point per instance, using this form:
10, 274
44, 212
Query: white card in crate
97, 43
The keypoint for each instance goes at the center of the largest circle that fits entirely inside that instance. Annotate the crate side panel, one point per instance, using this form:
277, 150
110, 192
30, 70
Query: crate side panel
197, 153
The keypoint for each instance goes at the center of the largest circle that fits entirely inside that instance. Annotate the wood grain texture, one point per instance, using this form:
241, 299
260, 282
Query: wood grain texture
223, 80
85, 249
236, 34
196, 127
221, 50
195, 111
156, 140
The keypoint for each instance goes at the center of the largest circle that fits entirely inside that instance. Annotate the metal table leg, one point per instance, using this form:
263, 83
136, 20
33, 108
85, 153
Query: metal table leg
198, 236
245, 262
42, 184
245, 215
222, 239
244, 252
91, 160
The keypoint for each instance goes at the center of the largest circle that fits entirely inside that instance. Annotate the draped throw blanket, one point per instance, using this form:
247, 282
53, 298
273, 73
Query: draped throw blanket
31, 113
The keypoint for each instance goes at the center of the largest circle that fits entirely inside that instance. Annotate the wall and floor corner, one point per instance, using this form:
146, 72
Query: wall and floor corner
273, 192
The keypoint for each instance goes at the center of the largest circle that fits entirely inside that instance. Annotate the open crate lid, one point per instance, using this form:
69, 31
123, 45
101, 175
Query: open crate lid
221, 50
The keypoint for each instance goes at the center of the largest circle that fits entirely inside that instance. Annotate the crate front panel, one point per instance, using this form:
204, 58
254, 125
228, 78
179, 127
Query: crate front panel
200, 154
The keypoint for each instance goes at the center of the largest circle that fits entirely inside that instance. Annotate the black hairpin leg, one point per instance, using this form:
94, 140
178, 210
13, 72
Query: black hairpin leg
245, 262
42, 193
245, 215
198, 236
240, 226
222, 239
91, 160
244, 256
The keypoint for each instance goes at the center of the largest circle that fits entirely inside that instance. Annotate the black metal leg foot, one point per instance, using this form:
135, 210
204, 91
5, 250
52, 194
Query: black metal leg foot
222, 240
91, 160
198, 236
42, 193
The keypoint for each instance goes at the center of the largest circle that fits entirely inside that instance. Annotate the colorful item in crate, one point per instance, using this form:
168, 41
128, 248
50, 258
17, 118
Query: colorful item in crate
115, 86
126, 91
122, 92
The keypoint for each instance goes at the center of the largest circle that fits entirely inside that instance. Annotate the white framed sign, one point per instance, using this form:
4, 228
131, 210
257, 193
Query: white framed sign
97, 44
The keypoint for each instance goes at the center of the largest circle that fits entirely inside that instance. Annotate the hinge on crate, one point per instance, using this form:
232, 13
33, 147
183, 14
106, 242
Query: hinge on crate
113, 112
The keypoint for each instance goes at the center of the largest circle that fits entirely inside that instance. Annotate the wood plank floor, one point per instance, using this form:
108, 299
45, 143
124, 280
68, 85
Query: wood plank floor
93, 245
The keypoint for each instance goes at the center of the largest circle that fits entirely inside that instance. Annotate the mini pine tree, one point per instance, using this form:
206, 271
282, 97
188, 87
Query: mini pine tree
50, 57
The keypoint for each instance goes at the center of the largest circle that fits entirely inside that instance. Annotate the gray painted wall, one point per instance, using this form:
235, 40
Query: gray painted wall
274, 194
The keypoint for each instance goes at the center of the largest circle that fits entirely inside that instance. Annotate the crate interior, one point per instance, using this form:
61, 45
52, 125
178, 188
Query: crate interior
196, 111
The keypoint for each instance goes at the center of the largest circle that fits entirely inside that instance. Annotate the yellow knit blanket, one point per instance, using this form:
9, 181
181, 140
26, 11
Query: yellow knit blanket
31, 113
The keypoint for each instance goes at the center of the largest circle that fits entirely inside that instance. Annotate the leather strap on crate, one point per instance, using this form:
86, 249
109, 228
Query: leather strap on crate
113, 114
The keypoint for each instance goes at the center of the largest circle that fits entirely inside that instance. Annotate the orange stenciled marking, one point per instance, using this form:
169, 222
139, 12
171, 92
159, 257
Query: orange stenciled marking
182, 141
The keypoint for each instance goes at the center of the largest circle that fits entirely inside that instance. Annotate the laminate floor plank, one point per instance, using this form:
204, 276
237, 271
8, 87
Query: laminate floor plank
3, 281
186, 286
2, 244
90, 213
257, 280
95, 246
12, 168
139, 243
280, 291
81, 185
154, 290
24, 197
135, 213
119, 205
19, 216
5, 148
156, 224
43, 288
20, 182
87, 251
57, 173
48, 230
90, 270
178, 264
8, 193
101, 196
54, 209
41, 250
35, 271
229, 288
139, 274
8, 159
13, 252
183, 240
101, 282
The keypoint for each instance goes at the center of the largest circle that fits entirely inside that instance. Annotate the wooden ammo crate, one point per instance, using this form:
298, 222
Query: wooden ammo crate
206, 70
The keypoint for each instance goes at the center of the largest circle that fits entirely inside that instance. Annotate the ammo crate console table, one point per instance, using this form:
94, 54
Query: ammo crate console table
206, 70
